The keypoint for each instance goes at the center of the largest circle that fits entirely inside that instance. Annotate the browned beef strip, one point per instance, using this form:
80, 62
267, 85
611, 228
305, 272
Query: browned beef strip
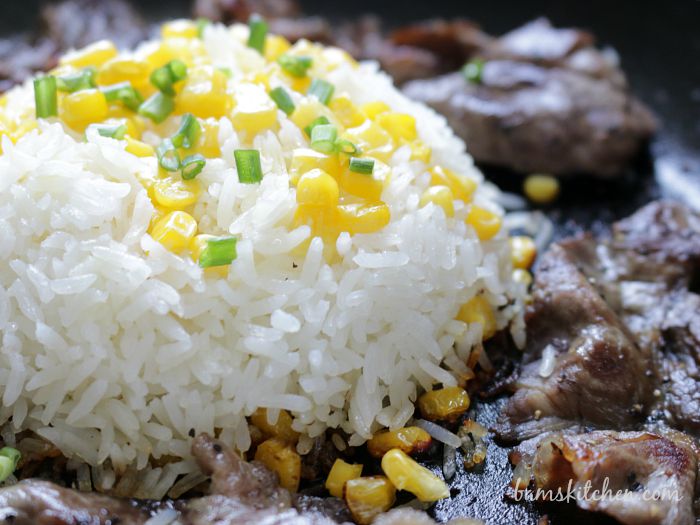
547, 102
624, 325
630, 461
600, 376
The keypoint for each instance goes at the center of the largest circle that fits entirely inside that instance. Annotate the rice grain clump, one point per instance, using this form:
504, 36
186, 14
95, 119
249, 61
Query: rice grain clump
124, 328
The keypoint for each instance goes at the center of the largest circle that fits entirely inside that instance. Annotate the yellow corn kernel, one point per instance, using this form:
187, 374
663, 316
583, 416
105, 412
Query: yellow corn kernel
309, 110
445, 404
138, 148
486, 223
332, 57
408, 475
124, 69
307, 159
157, 54
522, 276
317, 188
440, 196
179, 28
175, 230
340, 473
368, 187
372, 139
368, 497
412, 440
83, 107
93, 55
522, 251
175, 193
462, 186
372, 109
281, 429
275, 45
420, 151
254, 112
197, 246
21, 130
363, 218
204, 93
541, 189
280, 457
346, 112
478, 310
209, 140
399, 125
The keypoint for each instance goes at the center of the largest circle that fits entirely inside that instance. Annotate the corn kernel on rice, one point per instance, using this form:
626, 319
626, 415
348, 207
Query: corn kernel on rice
116, 347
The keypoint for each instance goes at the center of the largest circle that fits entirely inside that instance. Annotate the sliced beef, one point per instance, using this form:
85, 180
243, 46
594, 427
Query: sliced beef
229, 11
613, 329
640, 464
547, 101
582, 365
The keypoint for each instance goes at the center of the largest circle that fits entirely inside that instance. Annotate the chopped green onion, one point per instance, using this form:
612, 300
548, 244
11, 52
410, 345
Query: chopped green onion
323, 138
11, 453
258, 33
283, 100
248, 165
220, 251
45, 97
473, 71
6, 468
188, 133
157, 107
116, 131
228, 73
84, 79
192, 166
295, 66
202, 24
322, 90
9, 459
347, 147
123, 92
364, 166
164, 77
168, 157
316, 122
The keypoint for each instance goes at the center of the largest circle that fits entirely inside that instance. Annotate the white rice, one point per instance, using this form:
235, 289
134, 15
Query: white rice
115, 349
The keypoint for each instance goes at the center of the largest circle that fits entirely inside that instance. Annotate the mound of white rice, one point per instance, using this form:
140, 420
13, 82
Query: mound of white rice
114, 348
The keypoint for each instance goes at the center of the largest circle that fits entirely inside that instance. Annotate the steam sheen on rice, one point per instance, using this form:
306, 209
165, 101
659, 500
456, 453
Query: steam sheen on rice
114, 348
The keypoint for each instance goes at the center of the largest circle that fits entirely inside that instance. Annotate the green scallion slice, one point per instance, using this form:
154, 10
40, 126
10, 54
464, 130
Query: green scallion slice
322, 90
202, 24
125, 93
248, 165
220, 251
84, 79
295, 66
347, 147
228, 73
13, 454
192, 166
258, 33
316, 122
323, 138
157, 107
45, 97
116, 131
188, 132
364, 166
168, 157
473, 71
164, 77
283, 100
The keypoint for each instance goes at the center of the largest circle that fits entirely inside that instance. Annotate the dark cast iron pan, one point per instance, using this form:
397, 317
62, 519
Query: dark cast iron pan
659, 44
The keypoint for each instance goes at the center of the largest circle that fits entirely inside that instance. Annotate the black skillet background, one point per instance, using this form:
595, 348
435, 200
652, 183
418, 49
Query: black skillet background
659, 43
